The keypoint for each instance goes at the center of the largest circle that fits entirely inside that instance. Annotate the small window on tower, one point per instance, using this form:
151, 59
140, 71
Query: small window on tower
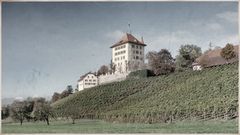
133, 46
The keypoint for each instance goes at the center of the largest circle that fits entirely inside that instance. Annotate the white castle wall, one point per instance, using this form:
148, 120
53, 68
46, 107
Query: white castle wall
102, 79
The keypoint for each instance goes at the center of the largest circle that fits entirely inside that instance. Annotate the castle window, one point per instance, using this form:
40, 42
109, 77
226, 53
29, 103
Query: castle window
137, 47
137, 57
140, 52
86, 80
136, 52
133, 46
140, 47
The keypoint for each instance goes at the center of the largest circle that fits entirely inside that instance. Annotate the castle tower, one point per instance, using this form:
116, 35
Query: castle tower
128, 53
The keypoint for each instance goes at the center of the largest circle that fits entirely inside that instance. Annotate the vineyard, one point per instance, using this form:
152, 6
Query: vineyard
192, 95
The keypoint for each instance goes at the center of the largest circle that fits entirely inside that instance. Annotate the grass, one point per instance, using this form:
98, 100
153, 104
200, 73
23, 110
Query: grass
99, 126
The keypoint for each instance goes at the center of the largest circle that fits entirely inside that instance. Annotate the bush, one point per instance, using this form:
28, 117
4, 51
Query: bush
140, 74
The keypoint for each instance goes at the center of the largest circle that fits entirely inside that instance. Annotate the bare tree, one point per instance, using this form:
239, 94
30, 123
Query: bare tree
18, 111
42, 110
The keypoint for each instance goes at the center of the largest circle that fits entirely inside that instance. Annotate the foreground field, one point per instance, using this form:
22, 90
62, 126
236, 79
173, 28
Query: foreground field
98, 126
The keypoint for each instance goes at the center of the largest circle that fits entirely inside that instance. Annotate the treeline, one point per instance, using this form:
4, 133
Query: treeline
31, 109
208, 94
162, 62
57, 96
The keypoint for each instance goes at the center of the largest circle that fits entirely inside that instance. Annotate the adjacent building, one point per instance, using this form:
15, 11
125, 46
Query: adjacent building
127, 53
214, 58
87, 81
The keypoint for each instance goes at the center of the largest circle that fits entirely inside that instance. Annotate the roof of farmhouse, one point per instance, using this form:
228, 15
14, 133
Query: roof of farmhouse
214, 57
128, 38
83, 76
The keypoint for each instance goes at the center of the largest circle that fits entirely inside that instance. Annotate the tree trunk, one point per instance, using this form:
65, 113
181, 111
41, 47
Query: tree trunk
73, 121
47, 121
21, 121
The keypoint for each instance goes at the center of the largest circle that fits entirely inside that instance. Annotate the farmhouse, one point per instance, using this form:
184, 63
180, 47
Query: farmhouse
128, 53
214, 58
87, 81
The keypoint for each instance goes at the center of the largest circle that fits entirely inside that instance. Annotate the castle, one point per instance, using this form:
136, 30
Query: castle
127, 55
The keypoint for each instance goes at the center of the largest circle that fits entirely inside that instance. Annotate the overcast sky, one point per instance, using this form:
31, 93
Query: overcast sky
47, 46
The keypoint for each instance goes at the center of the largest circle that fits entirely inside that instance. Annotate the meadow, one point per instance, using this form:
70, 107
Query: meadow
99, 126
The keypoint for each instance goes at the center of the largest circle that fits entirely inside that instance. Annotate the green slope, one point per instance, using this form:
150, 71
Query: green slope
208, 94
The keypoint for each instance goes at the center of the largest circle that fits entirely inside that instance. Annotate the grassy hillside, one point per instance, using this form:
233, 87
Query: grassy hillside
208, 94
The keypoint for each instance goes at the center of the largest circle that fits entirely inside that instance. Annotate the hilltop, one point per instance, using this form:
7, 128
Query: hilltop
211, 93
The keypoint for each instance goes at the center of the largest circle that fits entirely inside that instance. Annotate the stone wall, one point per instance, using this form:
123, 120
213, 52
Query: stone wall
108, 78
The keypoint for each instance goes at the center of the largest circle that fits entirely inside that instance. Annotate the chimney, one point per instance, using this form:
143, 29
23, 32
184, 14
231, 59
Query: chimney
142, 40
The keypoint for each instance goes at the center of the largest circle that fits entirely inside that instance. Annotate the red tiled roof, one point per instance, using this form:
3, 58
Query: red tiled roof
215, 58
128, 38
